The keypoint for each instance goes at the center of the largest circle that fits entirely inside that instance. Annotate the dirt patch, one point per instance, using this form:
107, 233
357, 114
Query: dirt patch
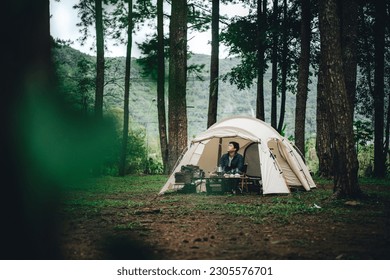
194, 226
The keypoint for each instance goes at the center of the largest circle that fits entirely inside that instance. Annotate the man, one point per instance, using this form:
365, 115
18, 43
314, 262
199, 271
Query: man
233, 162
232, 159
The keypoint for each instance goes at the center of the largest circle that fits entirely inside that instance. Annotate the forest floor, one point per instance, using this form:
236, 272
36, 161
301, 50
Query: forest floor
123, 218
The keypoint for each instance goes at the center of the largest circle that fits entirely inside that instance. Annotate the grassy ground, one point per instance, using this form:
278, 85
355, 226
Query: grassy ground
114, 217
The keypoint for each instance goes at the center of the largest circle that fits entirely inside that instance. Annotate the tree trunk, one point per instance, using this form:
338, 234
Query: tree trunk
344, 156
387, 130
99, 60
283, 87
324, 129
214, 65
366, 46
261, 21
161, 85
379, 42
177, 81
125, 134
303, 77
387, 133
349, 48
274, 86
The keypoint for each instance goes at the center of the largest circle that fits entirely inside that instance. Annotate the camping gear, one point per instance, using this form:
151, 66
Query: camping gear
270, 157
188, 178
187, 173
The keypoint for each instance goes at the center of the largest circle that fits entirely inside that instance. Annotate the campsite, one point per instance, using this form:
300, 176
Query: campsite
283, 214
124, 218
280, 213
132, 157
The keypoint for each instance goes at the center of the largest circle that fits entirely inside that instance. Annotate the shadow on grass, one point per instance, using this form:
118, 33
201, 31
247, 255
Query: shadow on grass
125, 247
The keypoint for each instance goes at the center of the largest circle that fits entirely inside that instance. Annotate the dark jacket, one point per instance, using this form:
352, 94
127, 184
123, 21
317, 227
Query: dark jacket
237, 162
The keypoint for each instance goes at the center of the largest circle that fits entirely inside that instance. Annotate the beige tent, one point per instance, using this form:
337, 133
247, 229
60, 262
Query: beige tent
268, 154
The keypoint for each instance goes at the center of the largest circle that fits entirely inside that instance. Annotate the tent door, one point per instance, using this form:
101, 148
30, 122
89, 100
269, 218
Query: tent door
251, 157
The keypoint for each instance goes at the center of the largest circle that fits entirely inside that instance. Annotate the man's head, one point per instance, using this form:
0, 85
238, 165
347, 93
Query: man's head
233, 147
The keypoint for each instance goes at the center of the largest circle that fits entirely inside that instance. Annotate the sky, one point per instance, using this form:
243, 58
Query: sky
64, 19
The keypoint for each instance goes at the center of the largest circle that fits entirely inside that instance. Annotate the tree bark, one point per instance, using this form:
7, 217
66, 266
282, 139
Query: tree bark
324, 129
261, 21
379, 42
283, 87
366, 46
349, 47
387, 129
274, 86
303, 77
177, 110
99, 60
125, 133
214, 65
161, 85
344, 156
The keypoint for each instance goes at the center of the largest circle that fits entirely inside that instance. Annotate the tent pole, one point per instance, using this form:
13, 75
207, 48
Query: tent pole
219, 151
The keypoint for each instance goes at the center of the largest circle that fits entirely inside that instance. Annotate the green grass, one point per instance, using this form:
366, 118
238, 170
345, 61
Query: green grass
102, 203
362, 181
375, 181
169, 200
280, 207
133, 192
94, 195
128, 184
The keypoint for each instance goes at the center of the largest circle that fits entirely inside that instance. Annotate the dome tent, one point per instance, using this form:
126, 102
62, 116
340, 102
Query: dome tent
268, 154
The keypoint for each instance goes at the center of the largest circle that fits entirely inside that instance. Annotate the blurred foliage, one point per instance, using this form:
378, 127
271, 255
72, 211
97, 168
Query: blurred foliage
311, 155
364, 133
139, 160
148, 62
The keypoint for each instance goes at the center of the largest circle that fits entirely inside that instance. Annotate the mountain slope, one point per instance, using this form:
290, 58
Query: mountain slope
143, 109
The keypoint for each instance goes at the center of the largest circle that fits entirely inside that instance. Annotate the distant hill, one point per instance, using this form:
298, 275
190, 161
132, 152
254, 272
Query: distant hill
143, 108
241, 102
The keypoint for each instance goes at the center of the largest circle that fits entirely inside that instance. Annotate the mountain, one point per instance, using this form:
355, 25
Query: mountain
240, 102
143, 109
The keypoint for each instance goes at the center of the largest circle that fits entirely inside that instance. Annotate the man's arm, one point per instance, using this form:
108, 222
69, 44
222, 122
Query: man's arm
223, 162
240, 163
